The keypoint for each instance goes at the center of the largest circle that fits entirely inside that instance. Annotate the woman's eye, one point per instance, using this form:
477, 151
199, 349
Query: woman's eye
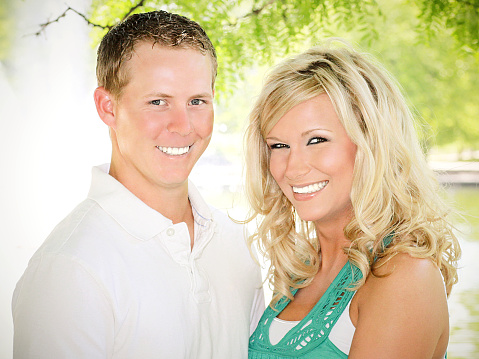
197, 101
277, 146
158, 102
315, 140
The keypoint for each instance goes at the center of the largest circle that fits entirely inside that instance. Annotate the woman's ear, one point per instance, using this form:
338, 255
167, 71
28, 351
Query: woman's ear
104, 106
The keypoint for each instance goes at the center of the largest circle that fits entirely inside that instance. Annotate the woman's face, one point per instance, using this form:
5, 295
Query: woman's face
312, 160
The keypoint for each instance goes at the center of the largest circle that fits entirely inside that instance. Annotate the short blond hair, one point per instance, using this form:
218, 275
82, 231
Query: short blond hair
158, 28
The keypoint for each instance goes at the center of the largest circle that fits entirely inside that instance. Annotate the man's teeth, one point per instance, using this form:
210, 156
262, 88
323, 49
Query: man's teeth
311, 188
174, 151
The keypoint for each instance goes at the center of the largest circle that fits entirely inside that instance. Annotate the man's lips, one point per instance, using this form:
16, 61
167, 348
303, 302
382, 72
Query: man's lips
174, 151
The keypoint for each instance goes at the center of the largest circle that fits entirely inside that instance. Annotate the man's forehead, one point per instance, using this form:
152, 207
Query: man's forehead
145, 50
143, 66
145, 45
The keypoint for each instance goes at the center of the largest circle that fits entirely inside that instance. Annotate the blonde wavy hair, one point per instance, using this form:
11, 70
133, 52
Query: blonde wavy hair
393, 191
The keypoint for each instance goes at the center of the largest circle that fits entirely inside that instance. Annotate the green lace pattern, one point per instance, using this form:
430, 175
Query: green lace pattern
314, 329
312, 332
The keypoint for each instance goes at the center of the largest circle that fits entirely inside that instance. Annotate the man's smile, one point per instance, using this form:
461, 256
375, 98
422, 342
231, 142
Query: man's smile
174, 151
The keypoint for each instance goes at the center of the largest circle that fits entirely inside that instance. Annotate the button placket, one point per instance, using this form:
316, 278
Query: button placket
200, 283
177, 245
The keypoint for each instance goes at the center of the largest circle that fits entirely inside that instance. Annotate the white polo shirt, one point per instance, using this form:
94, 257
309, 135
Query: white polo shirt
116, 279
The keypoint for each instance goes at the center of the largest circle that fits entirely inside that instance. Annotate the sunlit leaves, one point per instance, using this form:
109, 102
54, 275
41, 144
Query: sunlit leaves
431, 46
439, 78
247, 32
461, 16
6, 27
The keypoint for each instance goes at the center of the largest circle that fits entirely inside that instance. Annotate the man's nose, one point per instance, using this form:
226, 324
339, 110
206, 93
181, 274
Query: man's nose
180, 122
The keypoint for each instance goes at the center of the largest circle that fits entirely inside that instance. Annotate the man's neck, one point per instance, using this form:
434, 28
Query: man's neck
170, 201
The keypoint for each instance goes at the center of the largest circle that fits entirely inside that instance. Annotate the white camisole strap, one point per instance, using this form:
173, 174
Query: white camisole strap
341, 335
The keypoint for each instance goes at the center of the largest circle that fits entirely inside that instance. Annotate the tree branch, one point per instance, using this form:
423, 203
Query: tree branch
253, 12
48, 23
133, 9
105, 27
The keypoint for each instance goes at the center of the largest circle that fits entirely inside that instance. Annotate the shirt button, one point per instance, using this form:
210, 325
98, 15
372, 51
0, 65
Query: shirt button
170, 232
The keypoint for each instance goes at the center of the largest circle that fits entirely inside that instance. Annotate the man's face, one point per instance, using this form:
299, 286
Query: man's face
163, 119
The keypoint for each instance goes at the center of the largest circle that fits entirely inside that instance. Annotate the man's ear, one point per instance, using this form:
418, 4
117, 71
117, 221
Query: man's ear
104, 106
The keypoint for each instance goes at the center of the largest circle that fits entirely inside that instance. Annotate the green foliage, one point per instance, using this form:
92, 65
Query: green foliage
430, 46
250, 32
438, 77
7, 26
461, 16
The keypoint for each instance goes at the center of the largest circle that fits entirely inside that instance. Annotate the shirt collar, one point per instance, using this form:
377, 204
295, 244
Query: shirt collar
201, 210
137, 218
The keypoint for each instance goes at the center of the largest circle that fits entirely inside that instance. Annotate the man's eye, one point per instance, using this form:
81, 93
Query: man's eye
158, 102
275, 146
315, 140
197, 101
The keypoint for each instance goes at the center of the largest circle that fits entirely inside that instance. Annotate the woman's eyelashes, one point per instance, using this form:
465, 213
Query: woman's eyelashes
274, 146
311, 141
315, 140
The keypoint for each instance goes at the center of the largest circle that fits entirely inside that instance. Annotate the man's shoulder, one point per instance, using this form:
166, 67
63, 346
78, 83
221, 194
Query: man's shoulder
86, 220
225, 219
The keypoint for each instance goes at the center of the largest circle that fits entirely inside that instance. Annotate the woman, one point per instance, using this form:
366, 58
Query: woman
362, 253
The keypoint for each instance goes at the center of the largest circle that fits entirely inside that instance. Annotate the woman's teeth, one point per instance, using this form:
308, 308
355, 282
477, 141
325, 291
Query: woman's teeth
311, 188
174, 151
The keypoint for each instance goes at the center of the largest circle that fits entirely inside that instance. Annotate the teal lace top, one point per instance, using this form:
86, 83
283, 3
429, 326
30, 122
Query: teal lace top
309, 338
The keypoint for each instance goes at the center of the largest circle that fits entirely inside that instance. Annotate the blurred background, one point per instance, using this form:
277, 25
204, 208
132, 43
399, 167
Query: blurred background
51, 136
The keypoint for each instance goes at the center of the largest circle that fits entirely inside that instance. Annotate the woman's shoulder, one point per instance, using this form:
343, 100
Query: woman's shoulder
404, 267
403, 275
406, 264
403, 301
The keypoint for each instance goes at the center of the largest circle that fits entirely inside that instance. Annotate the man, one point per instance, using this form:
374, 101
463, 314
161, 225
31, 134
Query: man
143, 268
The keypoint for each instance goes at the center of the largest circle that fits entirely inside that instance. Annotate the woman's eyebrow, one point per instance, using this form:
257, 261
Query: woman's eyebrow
305, 133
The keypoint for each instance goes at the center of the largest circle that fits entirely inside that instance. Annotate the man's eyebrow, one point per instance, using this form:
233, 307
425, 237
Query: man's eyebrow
165, 95
204, 94
158, 94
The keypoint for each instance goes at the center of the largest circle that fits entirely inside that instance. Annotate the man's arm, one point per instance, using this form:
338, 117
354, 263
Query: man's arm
257, 309
61, 311
259, 302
